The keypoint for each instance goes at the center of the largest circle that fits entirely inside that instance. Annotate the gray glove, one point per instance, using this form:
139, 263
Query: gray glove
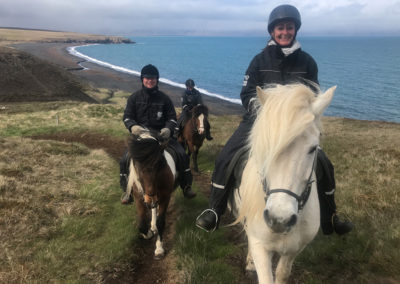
165, 133
136, 129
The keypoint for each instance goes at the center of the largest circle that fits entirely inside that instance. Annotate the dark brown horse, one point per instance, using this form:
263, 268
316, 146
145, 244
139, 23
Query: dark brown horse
194, 132
152, 177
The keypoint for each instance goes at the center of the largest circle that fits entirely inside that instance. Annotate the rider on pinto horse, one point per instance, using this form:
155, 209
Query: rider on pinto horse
190, 98
152, 109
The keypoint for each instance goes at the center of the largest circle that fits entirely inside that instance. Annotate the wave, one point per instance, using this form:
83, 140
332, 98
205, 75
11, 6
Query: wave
72, 50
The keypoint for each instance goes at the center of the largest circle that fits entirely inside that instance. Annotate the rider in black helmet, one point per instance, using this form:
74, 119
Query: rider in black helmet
152, 109
190, 98
281, 62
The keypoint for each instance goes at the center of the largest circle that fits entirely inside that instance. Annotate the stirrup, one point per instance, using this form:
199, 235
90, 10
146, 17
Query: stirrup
216, 220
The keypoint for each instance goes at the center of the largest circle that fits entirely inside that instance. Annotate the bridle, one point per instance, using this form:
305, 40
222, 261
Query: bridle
303, 197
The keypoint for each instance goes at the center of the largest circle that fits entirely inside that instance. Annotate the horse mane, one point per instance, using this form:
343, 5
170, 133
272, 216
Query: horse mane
284, 116
199, 109
147, 150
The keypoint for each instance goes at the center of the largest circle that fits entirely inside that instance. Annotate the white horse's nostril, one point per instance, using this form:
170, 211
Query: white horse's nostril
292, 220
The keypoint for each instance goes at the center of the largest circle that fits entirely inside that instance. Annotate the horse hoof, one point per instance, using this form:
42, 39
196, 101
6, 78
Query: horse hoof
148, 236
159, 255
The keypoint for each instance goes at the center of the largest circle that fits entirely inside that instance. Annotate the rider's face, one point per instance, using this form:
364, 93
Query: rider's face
284, 33
149, 82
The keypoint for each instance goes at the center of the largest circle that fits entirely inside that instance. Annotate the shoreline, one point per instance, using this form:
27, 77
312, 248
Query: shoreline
99, 76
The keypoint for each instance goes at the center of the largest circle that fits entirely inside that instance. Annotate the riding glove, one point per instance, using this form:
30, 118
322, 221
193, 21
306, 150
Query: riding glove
165, 133
136, 129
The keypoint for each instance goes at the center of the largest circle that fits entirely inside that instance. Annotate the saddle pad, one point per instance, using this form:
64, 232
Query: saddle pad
172, 152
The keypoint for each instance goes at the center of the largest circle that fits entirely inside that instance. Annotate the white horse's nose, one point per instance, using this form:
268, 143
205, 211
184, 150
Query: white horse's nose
279, 225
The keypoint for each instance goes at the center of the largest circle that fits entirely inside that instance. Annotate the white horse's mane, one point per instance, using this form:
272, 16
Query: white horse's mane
282, 117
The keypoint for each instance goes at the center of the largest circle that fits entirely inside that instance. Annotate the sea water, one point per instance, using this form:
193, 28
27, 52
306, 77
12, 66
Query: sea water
366, 70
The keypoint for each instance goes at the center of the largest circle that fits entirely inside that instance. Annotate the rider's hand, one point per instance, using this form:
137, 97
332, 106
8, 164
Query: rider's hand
136, 129
165, 133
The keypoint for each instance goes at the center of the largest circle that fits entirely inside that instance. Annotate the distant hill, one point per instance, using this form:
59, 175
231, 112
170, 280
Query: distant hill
19, 35
26, 78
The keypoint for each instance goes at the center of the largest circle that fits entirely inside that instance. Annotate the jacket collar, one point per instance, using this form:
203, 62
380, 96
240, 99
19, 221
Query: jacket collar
286, 50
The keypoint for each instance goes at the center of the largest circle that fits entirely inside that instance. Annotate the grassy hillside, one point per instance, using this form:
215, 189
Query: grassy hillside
26, 78
16, 35
60, 217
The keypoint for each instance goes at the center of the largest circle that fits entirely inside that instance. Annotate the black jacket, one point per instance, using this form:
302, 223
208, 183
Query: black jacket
272, 67
150, 108
191, 99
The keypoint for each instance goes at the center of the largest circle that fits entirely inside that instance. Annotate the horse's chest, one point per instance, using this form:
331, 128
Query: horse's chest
282, 243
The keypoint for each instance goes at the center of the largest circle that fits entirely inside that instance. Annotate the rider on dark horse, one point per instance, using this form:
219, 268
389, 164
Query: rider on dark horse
281, 62
190, 98
152, 109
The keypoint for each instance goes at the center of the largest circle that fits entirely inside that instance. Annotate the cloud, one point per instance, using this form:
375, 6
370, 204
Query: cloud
130, 17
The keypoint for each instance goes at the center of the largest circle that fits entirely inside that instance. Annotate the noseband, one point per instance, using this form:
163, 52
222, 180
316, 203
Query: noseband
303, 197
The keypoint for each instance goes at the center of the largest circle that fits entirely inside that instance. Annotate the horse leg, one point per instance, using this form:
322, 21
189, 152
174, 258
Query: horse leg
195, 167
284, 268
262, 261
153, 224
250, 267
144, 231
160, 252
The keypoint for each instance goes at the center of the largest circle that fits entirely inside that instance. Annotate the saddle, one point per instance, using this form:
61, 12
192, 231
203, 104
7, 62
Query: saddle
172, 152
233, 176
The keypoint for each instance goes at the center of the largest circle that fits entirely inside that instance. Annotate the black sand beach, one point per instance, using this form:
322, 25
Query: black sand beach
101, 77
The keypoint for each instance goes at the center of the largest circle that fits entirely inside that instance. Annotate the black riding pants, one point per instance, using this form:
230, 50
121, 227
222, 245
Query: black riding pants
219, 193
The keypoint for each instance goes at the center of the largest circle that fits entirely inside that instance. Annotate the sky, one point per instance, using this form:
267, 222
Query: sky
200, 17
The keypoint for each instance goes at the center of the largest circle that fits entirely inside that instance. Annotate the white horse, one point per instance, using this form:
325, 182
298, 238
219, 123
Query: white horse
277, 199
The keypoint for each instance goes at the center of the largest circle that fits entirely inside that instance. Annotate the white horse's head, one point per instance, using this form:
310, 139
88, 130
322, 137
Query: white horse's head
283, 147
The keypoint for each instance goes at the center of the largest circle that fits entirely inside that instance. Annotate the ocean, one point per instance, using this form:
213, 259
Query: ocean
366, 70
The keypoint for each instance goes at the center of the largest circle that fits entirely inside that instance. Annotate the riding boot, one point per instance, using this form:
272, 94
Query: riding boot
330, 221
186, 185
123, 178
208, 132
209, 219
208, 135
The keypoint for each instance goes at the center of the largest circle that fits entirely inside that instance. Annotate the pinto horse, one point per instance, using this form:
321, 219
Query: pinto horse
152, 176
277, 198
194, 132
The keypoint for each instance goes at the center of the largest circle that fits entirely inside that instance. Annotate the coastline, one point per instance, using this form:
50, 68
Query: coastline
98, 76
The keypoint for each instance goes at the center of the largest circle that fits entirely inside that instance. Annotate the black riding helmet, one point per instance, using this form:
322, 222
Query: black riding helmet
189, 83
149, 71
282, 13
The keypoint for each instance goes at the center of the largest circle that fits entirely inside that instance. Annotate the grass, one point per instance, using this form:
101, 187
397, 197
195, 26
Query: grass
60, 218
60, 212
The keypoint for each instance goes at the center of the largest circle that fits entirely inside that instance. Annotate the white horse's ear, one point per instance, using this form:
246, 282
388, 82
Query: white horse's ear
260, 95
323, 101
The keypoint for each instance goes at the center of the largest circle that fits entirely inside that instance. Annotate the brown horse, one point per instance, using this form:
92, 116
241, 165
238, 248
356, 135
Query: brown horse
193, 133
152, 176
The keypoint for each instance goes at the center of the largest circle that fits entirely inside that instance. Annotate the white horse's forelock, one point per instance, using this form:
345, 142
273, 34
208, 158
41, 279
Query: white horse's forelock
285, 114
